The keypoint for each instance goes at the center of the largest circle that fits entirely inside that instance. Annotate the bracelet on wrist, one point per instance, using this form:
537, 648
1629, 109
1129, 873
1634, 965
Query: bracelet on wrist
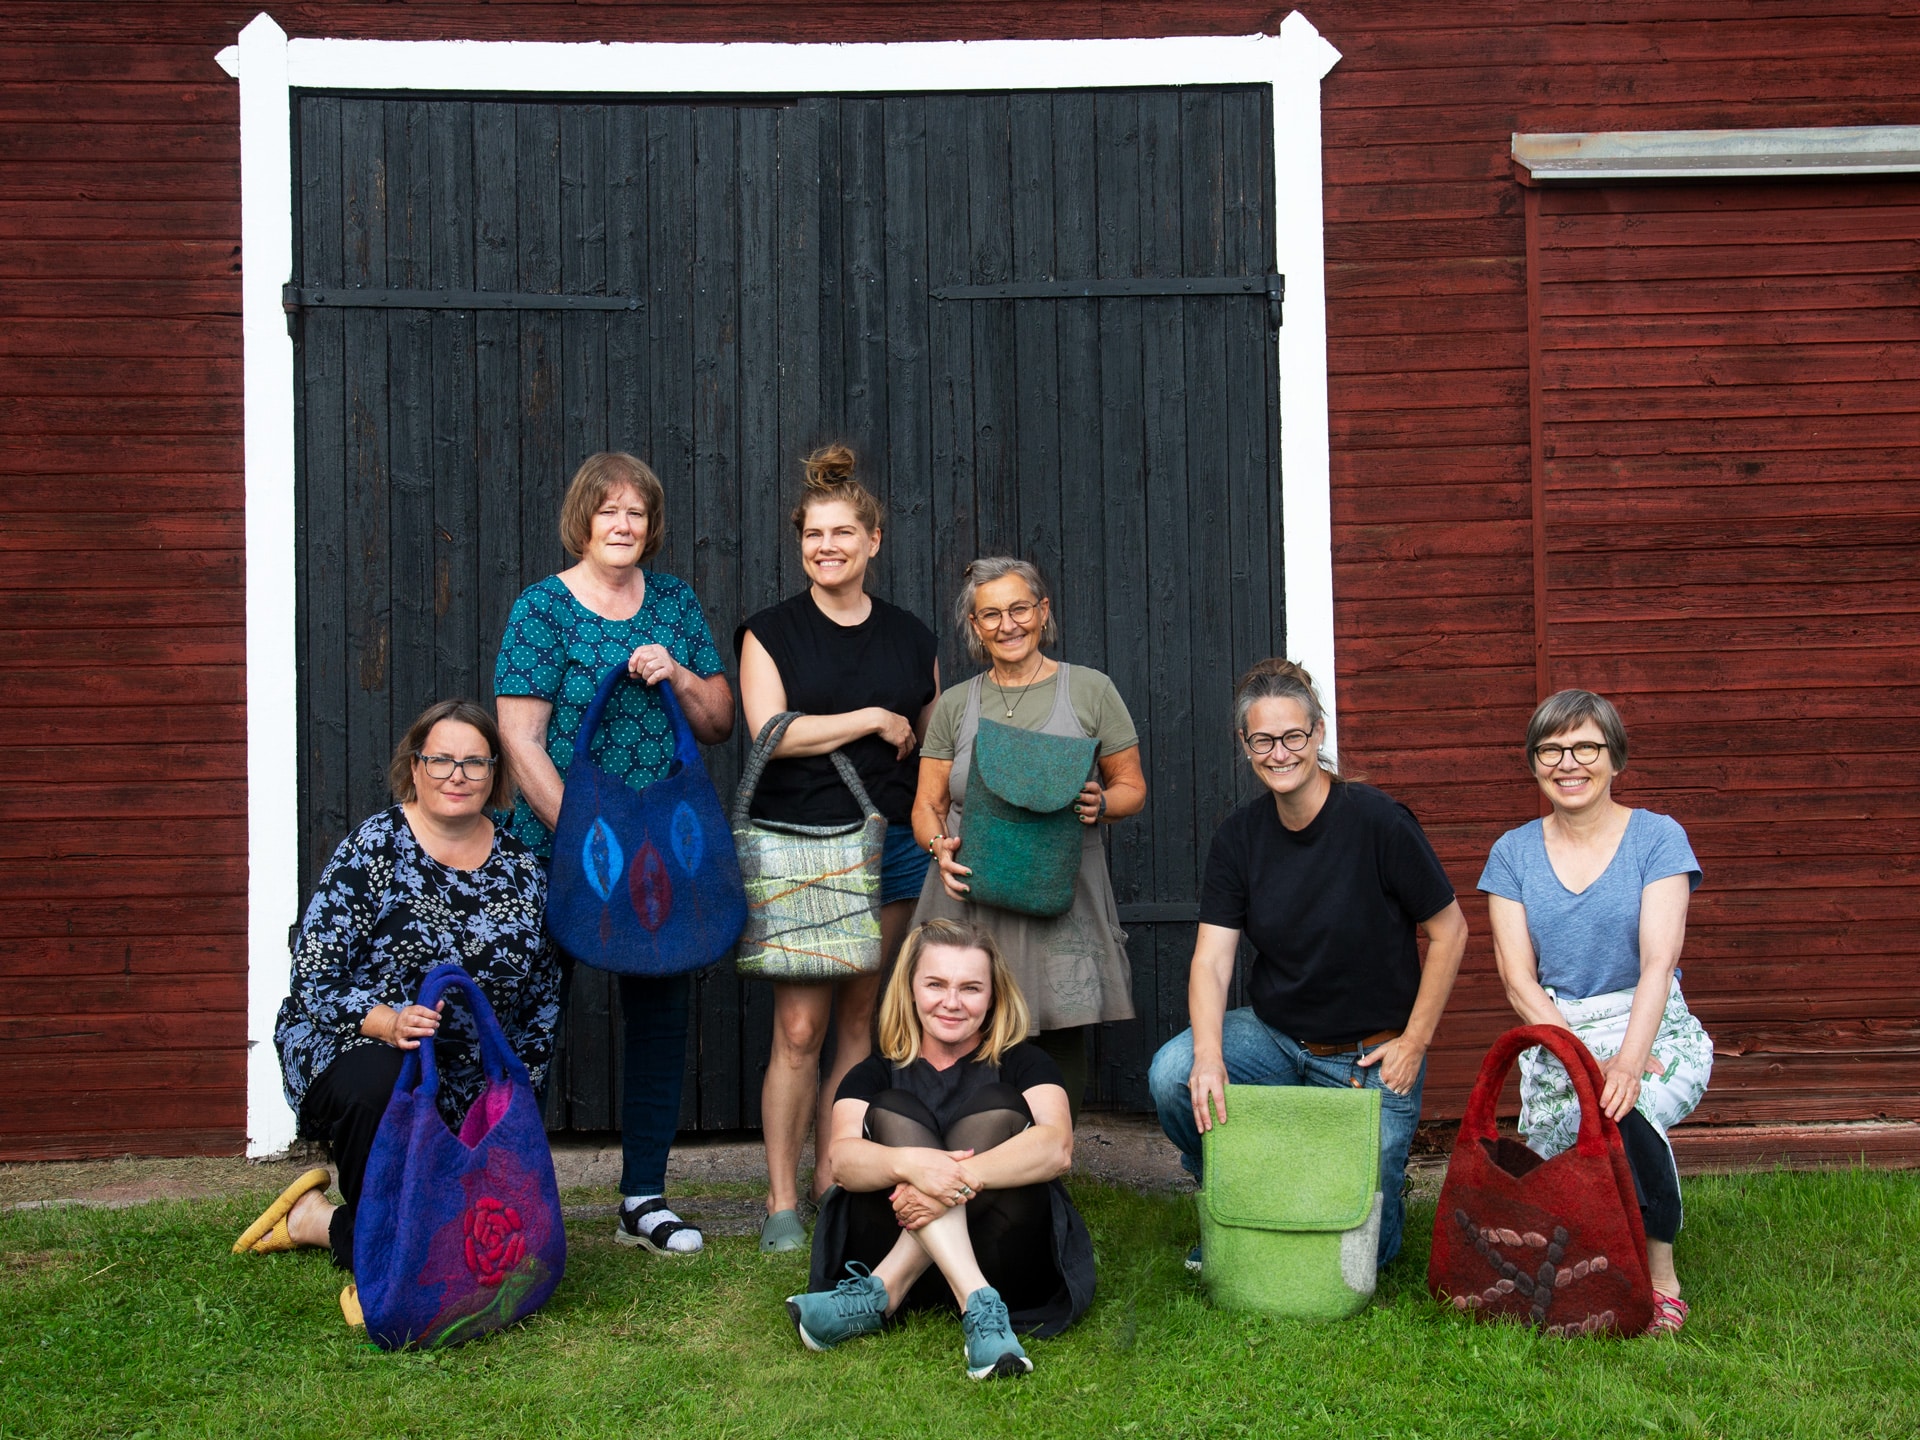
933, 842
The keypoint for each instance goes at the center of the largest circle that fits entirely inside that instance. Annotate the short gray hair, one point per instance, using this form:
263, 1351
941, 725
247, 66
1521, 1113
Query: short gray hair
1560, 712
984, 571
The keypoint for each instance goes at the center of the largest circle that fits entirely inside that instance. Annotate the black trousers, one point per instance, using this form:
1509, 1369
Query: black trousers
1011, 1230
343, 1107
1656, 1182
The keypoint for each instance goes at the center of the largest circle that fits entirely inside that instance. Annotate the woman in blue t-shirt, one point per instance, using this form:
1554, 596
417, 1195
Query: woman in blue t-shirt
564, 634
1589, 911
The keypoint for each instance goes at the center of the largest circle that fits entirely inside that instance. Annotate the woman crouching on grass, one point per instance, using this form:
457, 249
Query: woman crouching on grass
947, 1150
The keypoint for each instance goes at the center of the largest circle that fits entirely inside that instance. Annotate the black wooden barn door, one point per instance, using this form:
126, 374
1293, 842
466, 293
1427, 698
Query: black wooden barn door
486, 292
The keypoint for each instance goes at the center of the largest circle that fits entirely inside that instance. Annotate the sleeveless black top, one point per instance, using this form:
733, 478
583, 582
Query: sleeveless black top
828, 669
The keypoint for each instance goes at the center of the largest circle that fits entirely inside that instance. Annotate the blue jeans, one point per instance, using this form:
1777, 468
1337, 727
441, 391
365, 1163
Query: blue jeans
1257, 1054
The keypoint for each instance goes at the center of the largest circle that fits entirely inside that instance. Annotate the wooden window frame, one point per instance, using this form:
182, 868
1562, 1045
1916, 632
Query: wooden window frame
270, 67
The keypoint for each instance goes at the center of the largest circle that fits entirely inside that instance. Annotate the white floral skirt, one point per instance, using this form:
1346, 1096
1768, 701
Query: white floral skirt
1549, 1110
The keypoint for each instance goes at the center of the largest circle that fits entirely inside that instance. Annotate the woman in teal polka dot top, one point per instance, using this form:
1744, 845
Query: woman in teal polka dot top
565, 633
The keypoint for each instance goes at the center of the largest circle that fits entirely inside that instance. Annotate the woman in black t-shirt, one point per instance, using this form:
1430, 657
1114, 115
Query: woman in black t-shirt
1331, 881
862, 673
949, 1145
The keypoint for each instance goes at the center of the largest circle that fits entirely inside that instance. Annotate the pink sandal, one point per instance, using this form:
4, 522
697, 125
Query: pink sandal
1669, 1314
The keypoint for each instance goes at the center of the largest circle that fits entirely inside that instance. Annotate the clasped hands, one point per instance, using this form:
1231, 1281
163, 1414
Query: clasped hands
405, 1027
936, 1182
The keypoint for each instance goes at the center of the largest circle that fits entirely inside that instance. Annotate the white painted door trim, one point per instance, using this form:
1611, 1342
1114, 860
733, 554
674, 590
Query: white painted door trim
269, 67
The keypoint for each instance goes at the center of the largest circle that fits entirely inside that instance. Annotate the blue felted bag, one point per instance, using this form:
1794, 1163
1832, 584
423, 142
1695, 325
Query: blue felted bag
643, 882
457, 1235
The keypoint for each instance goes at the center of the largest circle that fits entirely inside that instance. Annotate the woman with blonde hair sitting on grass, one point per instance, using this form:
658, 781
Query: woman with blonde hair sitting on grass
947, 1150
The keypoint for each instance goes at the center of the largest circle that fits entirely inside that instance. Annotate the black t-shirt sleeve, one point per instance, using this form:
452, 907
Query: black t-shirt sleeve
1223, 890
1412, 873
1025, 1066
866, 1080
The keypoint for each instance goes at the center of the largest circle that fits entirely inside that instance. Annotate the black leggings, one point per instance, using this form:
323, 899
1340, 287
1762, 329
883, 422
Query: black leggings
1011, 1230
1656, 1183
343, 1107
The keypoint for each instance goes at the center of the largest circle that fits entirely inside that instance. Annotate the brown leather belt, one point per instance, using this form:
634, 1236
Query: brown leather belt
1379, 1037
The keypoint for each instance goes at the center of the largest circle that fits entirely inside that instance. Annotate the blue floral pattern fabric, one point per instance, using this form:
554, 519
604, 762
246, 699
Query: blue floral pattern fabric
385, 913
555, 649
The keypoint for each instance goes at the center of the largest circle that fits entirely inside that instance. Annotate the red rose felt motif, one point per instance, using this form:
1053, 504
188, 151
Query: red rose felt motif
495, 1239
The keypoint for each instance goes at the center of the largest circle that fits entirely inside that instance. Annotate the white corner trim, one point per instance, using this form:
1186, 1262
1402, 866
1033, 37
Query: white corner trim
273, 797
269, 67
1718, 154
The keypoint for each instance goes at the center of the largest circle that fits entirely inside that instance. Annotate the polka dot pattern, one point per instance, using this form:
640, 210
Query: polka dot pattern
557, 650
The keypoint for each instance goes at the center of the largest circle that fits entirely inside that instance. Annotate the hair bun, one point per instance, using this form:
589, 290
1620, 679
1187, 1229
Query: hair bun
829, 466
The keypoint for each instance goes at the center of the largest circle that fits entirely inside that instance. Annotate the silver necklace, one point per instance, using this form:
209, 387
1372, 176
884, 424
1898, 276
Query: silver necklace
1015, 705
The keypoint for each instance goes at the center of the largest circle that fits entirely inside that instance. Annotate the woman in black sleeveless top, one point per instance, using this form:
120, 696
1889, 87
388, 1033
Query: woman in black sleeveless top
863, 674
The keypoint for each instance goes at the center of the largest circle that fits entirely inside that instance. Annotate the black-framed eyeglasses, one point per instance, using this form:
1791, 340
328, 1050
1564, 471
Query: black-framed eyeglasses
1584, 752
1021, 614
441, 767
1261, 743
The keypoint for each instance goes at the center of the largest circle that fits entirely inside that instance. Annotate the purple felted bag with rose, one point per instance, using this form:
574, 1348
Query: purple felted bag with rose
457, 1235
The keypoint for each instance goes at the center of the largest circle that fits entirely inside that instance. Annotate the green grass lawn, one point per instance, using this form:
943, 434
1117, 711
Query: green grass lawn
138, 1323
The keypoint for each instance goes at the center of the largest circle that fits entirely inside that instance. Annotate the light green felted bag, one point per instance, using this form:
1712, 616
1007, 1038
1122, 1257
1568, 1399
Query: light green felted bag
1021, 836
1290, 1211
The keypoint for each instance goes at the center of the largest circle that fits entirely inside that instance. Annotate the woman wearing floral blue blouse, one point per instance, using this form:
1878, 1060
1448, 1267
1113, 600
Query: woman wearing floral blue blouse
565, 633
428, 880
1589, 911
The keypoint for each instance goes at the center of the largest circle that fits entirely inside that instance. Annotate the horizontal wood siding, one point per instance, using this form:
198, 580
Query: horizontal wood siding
120, 431
1731, 479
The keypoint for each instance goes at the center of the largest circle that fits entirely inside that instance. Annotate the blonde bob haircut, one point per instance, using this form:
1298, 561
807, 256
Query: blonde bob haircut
600, 476
1007, 1021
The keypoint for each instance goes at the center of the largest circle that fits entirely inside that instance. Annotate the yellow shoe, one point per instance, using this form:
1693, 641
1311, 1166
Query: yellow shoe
269, 1233
350, 1307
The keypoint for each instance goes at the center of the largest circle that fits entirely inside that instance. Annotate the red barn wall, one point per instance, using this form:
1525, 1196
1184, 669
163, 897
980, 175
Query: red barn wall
122, 892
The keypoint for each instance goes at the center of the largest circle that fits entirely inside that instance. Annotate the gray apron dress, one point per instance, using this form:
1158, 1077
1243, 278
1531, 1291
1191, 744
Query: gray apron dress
1073, 967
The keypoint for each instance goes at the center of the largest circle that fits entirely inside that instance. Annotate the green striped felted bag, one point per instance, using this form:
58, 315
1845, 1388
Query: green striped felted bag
1020, 835
1290, 1210
813, 891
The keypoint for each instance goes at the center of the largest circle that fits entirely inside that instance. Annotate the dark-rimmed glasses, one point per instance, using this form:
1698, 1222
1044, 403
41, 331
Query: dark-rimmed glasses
441, 767
1261, 743
1584, 752
1021, 613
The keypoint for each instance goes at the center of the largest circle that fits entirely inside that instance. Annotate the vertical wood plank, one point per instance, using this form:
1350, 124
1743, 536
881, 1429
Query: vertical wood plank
863, 297
410, 401
1170, 599
501, 574
368, 595
670, 322
714, 1057
956, 537
629, 385
322, 507
1036, 400
909, 549
803, 199
583, 271
990, 235
458, 643
831, 296
1081, 579
545, 464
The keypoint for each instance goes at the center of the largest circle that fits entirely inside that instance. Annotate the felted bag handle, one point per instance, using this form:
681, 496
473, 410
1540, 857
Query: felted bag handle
497, 1059
768, 741
686, 749
1479, 1122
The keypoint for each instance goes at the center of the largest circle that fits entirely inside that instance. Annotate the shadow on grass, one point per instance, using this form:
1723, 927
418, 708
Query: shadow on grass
1807, 1322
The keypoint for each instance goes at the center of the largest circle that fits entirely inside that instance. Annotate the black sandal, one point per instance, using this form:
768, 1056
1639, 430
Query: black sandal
656, 1237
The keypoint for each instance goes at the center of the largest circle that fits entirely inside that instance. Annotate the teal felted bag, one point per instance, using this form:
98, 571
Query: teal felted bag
1290, 1211
1022, 838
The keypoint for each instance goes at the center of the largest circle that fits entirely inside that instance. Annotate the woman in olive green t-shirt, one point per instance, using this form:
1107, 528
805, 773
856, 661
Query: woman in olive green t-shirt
1071, 967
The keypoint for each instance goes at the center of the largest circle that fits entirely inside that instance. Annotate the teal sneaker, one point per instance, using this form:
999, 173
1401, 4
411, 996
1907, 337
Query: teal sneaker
991, 1346
856, 1306
1193, 1260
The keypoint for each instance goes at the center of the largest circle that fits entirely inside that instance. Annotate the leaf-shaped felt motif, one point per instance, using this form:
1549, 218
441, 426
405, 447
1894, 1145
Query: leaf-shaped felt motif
689, 840
602, 859
651, 888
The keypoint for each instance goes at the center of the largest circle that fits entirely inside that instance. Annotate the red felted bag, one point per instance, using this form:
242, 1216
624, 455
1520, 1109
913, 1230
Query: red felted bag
1557, 1243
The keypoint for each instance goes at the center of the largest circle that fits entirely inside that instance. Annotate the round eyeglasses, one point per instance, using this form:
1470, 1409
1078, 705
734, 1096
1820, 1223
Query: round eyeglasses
1261, 743
441, 767
1584, 752
1021, 613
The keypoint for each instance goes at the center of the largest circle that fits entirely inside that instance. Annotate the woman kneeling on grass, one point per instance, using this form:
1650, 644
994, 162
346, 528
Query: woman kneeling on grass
947, 1150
